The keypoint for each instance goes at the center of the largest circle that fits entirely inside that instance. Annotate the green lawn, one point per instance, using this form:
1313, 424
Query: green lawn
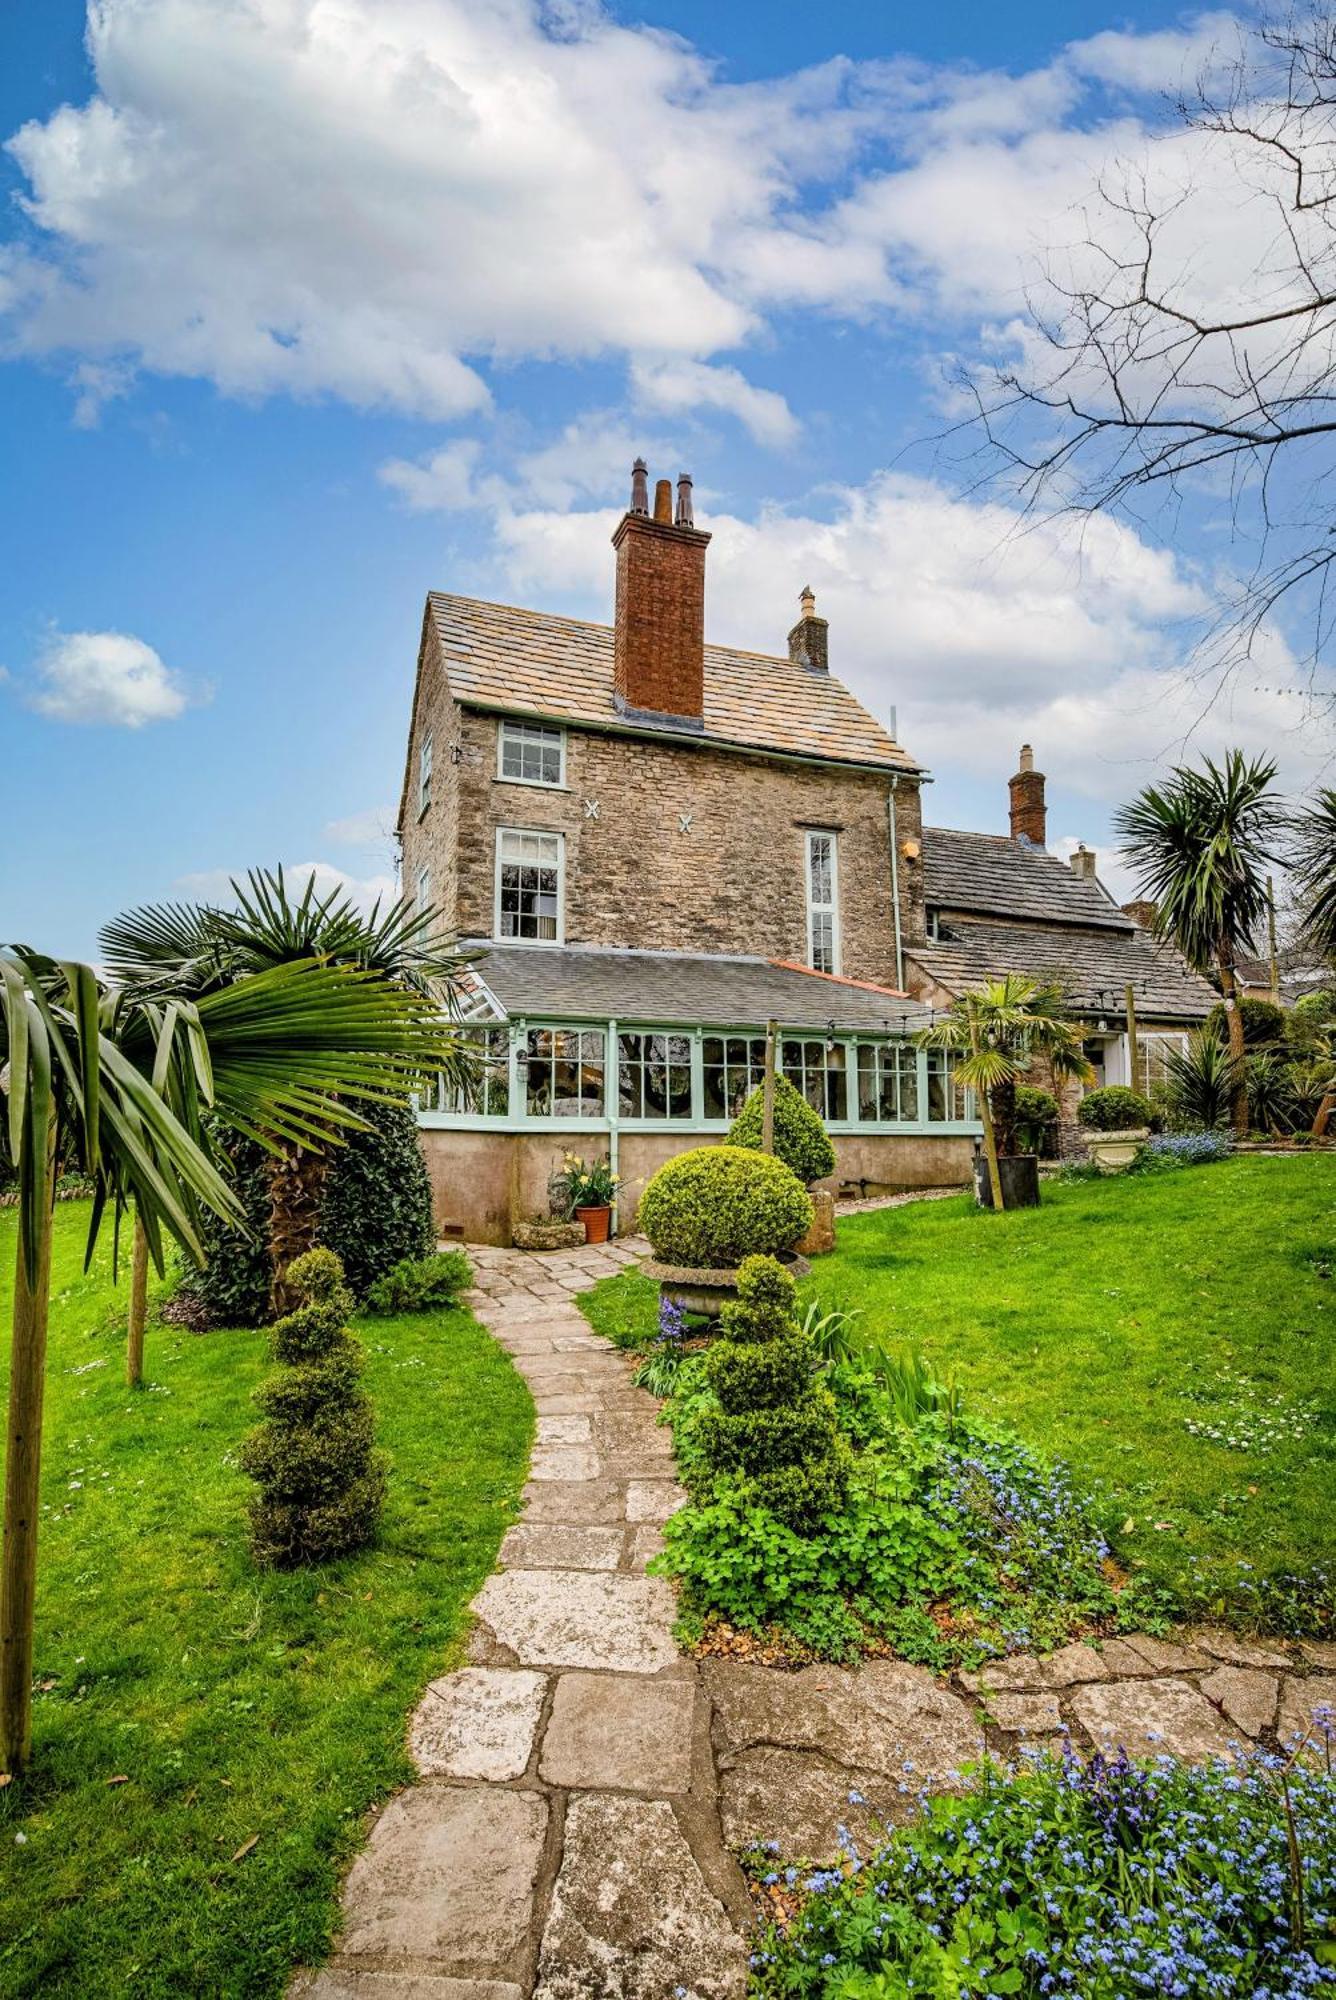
253, 1718
1103, 1324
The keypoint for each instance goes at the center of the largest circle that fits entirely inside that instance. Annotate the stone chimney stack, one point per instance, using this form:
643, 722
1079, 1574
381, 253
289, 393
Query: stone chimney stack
809, 644
659, 619
1083, 863
1029, 815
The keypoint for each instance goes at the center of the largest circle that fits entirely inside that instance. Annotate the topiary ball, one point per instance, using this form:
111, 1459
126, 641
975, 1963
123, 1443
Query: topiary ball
1113, 1109
715, 1205
801, 1140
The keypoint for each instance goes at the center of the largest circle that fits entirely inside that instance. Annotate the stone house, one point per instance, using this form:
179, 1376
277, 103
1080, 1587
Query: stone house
997, 903
656, 846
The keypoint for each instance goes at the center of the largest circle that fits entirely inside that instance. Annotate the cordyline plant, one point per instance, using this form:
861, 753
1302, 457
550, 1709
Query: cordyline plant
169, 952
117, 1085
1202, 845
997, 1032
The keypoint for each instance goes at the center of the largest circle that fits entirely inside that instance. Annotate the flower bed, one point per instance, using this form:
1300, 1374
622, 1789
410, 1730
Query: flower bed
1103, 1880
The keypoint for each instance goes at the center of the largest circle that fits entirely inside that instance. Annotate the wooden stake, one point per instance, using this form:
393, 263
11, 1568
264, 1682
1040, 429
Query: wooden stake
23, 1467
768, 1092
1271, 941
134, 1346
1133, 1051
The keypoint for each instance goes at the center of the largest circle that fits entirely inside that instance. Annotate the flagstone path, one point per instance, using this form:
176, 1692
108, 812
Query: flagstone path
584, 1788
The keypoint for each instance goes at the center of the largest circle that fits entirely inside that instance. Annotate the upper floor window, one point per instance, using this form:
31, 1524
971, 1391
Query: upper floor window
424, 773
823, 920
529, 753
529, 891
423, 888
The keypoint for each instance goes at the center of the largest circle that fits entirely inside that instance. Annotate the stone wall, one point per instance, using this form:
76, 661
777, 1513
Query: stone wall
483, 1181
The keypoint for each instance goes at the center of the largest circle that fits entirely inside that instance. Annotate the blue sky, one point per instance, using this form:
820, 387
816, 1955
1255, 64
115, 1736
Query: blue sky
298, 320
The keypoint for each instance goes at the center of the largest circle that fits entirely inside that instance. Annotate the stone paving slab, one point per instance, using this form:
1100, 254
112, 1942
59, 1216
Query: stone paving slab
478, 1722
562, 1545
1300, 1703
579, 1618
449, 1873
341, 1982
586, 1501
1152, 1718
610, 1732
1246, 1694
653, 1500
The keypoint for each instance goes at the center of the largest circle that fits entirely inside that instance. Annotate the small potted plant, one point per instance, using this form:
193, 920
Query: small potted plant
587, 1189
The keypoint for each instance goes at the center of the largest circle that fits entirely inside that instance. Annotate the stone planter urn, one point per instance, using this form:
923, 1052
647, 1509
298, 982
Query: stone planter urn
1019, 1175
1114, 1152
700, 1290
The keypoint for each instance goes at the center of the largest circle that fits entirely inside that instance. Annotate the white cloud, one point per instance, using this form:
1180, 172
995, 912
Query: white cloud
214, 885
679, 387
372, 827
443, 482
107, 677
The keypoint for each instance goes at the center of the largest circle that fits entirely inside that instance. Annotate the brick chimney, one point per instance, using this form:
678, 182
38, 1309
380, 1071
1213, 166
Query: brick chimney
809, 640
1083, 863
659, 620
1029, 816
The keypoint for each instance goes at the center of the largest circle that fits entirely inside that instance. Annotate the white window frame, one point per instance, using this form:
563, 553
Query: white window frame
425, 749
530, 832
830, 909
545, 729
422, 888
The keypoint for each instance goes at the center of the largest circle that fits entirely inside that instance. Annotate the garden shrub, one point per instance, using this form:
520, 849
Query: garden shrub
1309, 1020
421, 1284
376, 1210
1182, 1149
1200, 1082
322, 1483
774, 1429
1036, 1118
1105, 1878
800, 1139
715, 1205
1113, 1109
1263, 1023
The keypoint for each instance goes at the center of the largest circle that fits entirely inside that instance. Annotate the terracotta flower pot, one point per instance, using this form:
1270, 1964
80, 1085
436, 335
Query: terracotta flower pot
596, 1222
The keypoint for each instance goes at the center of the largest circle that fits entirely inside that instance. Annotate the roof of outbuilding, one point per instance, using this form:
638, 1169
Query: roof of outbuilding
997, 876
588, 982
1094, 965
537, 663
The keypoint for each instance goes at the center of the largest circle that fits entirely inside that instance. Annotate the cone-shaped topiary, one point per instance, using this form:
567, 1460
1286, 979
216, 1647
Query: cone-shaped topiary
775, 1425
801, 1140
715, 1205
321, 1480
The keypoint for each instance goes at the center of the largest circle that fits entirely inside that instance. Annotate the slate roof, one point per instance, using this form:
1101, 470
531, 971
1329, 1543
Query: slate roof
996, 876
1085, 960
536, 663
576, 983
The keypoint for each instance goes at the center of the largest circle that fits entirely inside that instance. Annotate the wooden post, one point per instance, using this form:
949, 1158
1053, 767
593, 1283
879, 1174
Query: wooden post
1271, 941
134, 1346
1133, 1052
23, 1467
768, 1092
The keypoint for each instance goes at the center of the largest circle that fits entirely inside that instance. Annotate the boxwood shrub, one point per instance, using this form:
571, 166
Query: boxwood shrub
1263, 1023
715, 1205
1113, 1109
800, 1138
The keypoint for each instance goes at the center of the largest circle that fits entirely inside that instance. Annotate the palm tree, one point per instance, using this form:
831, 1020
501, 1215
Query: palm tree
119, 1087
193, 949
997, 1032
1202, 845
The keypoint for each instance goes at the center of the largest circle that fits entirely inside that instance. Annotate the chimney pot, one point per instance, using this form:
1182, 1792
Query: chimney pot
685, 517
807, 601
639, 487
1084, 863
663, 500
809, 641
1029, 814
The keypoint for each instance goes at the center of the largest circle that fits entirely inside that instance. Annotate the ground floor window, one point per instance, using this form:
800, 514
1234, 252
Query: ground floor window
653, 1076
888, 1091
948, 1100
563, 1072
486, 1093
817, 1069
734, 1065
1153, 1053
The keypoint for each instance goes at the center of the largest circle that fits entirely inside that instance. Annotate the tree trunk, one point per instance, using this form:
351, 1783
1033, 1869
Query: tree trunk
990, 1152
1003, 1107
23, 1468
296, 1188
768, 1089
1324, 1111
134, 1345
1238, 1093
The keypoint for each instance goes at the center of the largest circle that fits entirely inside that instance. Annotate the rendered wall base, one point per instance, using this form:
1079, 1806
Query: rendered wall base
484, 1182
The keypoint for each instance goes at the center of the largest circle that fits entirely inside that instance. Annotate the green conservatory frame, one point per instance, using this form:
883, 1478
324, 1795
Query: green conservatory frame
507, 1094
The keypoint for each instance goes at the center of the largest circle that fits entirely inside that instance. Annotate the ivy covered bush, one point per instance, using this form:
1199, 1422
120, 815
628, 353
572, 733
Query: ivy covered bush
715, 1205
1115, 1108
376, 1210
772, 1436
800, 1139
1103, 1879
321, 1480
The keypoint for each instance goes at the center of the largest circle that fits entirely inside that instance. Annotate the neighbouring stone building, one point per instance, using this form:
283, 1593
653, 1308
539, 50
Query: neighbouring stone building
1000, 902
656, 846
